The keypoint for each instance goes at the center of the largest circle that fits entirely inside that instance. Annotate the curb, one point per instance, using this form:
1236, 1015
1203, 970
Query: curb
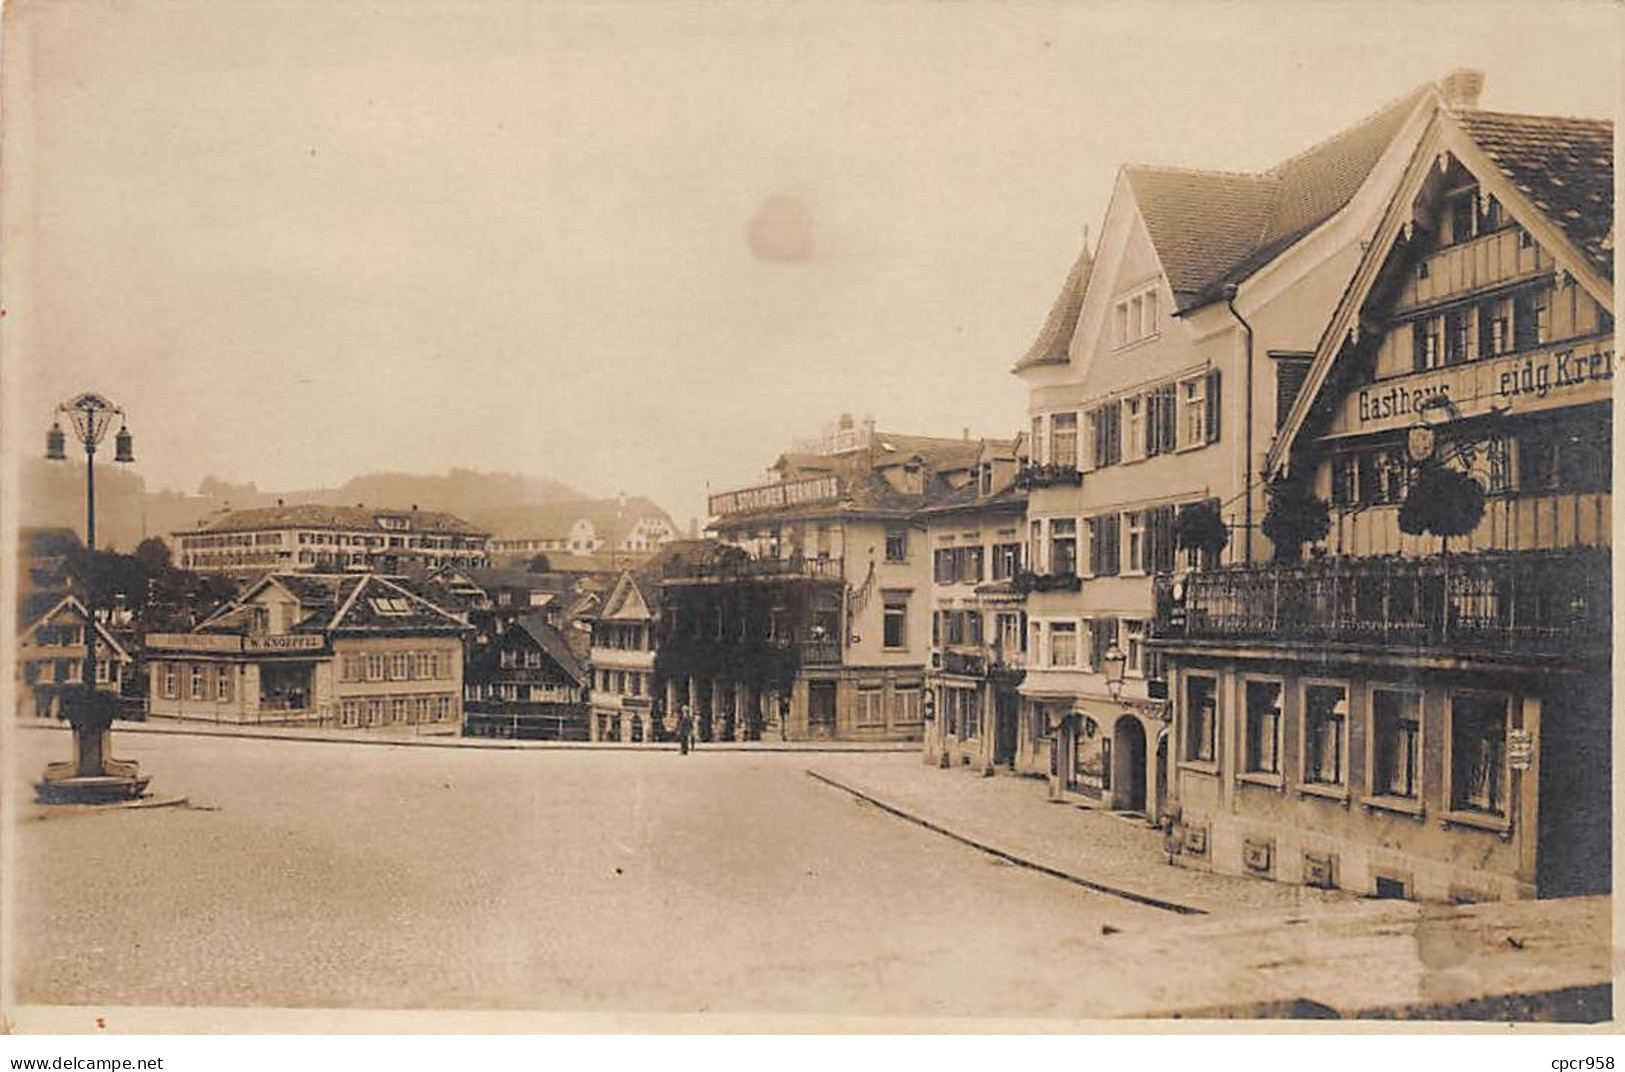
447, 740
1006, 855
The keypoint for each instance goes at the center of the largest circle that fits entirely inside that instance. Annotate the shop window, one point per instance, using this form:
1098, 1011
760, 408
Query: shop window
905, 702
1396, 746
1478, 737
1263, 743
1201, 718
870, 711
1325, 724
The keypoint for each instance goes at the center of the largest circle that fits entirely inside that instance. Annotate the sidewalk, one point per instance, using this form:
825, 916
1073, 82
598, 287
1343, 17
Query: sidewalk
447, 737
1249, 948
1012, 817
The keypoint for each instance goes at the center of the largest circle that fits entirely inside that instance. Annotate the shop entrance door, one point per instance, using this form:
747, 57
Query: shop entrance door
821, 710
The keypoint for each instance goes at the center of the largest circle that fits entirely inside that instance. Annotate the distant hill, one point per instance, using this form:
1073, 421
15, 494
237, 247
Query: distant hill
53, 495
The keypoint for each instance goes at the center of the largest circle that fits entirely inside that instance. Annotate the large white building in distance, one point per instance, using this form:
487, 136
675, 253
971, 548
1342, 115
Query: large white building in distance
327, 539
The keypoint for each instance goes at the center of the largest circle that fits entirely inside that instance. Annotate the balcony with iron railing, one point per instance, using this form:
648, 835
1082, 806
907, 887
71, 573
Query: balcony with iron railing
1528, 603
745, 567
1055, 475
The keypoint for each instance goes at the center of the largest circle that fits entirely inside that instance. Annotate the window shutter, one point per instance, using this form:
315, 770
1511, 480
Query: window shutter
1213, 406
1151, 409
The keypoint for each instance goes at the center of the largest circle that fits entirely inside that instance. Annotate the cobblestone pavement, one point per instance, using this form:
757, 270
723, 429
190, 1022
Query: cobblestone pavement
1013, 814
311, 874
305, 874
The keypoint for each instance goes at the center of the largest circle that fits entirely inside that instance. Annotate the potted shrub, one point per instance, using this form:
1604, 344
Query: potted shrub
1295, 516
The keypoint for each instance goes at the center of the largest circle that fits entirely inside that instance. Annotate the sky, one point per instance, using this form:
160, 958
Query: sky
631, 246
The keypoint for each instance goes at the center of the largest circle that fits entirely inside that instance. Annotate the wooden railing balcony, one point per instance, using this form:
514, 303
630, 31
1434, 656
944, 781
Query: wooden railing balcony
1555, 603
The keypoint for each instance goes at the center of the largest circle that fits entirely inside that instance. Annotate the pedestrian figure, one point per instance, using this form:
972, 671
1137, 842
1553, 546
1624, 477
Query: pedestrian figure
685, 729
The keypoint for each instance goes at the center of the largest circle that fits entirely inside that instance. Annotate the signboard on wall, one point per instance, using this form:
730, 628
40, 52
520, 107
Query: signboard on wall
1517, 382
1520, 749
818, 489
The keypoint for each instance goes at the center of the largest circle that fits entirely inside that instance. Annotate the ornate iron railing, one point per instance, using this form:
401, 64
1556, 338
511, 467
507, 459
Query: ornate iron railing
1532, 602
743, 567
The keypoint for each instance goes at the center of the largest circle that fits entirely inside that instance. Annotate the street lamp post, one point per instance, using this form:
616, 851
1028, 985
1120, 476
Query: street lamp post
92, 775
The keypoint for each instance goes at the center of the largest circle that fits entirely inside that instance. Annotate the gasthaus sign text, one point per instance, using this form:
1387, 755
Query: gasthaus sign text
1565, 377
818, 489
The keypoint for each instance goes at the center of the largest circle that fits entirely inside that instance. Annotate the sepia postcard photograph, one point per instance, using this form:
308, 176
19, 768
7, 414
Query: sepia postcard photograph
815, 518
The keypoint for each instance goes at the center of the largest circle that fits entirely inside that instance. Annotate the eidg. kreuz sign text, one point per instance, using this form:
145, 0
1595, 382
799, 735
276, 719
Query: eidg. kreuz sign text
1566, 377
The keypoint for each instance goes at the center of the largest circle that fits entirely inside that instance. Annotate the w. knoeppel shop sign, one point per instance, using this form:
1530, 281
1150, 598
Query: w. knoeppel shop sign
1515, 383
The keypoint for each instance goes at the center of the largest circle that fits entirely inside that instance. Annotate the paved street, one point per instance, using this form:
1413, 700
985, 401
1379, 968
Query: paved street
308, 874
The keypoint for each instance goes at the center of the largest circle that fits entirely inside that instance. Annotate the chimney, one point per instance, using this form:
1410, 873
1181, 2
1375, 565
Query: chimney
1461, 87
964, 433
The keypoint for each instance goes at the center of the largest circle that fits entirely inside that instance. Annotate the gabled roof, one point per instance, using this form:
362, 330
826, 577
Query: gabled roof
1050, 348
71, 603
1578, 187
316, 516
351, 603
554, 646
1212, 228
1565, 166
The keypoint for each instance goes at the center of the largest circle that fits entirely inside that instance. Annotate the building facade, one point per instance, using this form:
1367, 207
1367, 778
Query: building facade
978, 619
328, 539
51, 659
1155, 385
817, 625
350, 650
521, 680
1422, 708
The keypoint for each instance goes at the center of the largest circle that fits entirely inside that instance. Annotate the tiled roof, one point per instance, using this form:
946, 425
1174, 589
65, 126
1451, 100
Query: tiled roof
553, 642
1053, 338
364, 612
863, 479
1211, 228
1565, 166
343, 604
315, 516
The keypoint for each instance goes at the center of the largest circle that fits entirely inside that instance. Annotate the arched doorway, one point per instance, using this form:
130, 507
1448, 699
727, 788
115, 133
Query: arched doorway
1128, 765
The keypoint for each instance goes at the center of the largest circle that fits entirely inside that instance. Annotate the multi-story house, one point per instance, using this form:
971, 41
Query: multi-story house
522, 680
327, 539
630, 527
351, 650
625, 697
1171, 354
51, 658
1423, 708
976, 535
817, 627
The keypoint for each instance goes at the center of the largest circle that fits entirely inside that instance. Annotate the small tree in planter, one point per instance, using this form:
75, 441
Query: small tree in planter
1444, 502
1295, 516
1200, 528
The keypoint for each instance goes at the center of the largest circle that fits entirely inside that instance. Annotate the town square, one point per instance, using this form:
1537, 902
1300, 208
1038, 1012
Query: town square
566, 531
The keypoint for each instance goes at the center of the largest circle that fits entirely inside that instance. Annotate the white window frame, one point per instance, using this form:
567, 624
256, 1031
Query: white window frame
1340, 788
1378, 795
1490, 820
1134, 317
1245, 772
1076, 628
1192, 417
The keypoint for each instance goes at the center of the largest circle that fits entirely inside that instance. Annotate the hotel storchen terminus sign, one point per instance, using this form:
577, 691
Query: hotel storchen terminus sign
1519, 382
818, 489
